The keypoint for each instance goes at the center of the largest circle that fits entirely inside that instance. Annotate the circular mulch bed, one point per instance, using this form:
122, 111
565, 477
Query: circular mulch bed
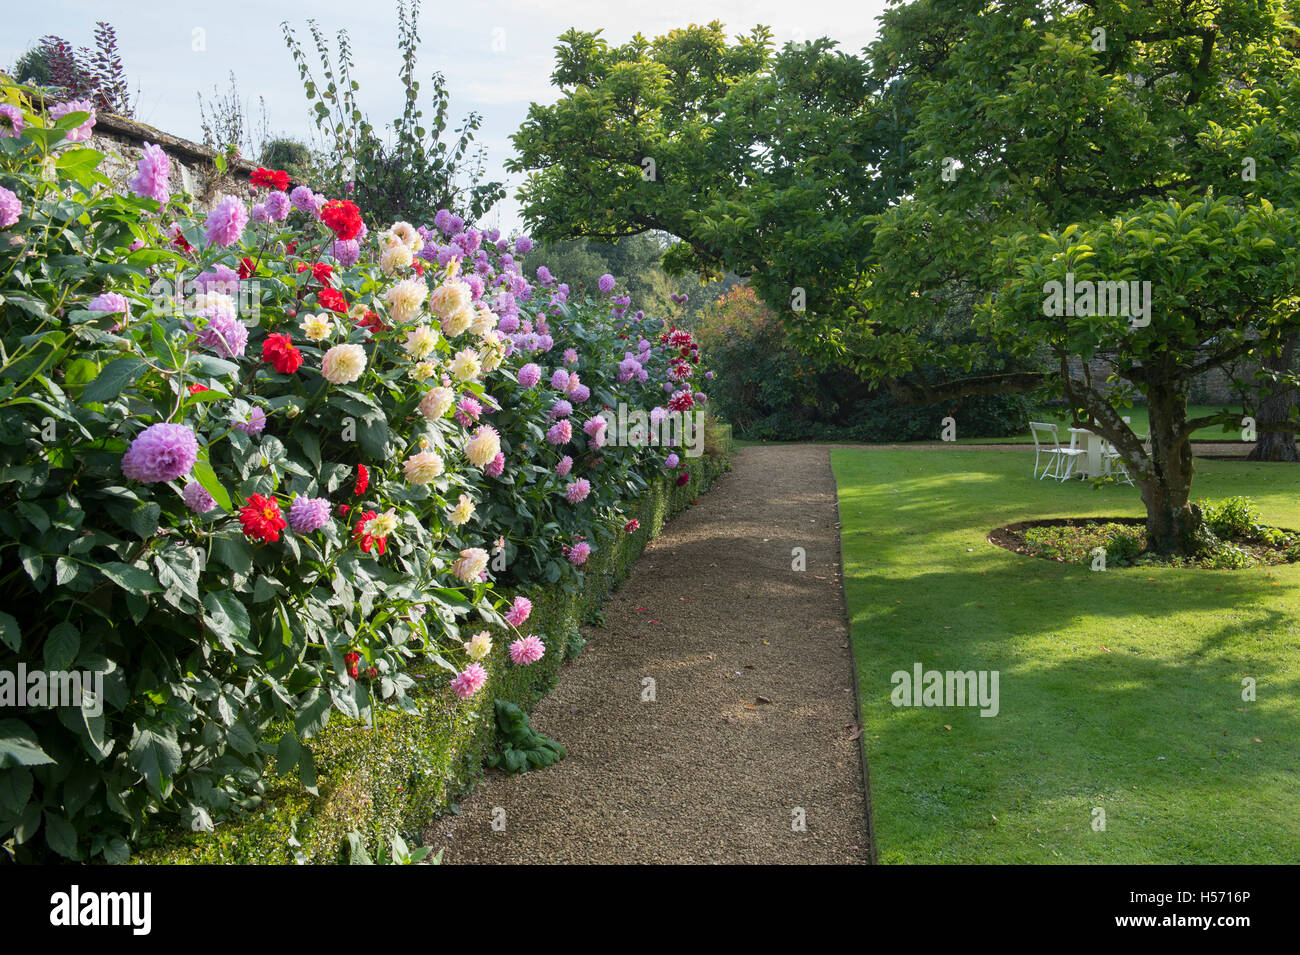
1256, 552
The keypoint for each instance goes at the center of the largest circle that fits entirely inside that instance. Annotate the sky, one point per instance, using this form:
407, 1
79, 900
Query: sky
497, 56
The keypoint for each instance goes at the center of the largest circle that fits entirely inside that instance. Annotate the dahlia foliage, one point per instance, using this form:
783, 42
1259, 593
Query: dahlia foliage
258, 459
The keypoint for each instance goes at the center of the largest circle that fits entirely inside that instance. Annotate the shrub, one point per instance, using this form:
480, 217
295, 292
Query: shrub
231, 486
769, 390
1232, 517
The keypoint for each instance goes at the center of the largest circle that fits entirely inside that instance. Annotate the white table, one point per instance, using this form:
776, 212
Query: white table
1092, 444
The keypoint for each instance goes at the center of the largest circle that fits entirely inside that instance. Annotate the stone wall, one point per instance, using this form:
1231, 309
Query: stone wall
1213, 387
193, 166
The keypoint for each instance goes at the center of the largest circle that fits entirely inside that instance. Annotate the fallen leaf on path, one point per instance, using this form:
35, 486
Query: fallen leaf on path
857, 731
763, 699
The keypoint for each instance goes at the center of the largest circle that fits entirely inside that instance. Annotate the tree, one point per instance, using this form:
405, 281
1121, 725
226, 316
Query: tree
904, 193
414, 173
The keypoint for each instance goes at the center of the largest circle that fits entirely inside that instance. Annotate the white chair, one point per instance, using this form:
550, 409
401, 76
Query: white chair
1060, 461
1114, 460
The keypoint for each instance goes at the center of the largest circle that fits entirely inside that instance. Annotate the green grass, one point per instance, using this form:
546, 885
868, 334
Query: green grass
1120, 690
1138, 414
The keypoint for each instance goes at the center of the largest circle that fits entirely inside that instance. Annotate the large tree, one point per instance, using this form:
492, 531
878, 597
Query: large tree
969, 158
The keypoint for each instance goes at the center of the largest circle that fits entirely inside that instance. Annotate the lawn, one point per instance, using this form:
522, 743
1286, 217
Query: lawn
1119, 691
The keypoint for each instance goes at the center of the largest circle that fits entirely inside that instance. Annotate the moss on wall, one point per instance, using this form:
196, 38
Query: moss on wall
399, 774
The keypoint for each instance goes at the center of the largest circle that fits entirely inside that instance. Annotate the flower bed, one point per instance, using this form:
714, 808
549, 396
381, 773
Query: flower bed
400, 775
264, 466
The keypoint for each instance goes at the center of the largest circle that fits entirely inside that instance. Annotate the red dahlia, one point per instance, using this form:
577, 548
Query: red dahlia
343, 217
270, 179
261, 518
363, 479
246, 267
353, 661
332, 299
683, 479
279, 352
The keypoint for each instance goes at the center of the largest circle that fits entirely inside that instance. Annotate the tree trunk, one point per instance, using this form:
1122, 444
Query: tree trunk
1275, 409
1172, 520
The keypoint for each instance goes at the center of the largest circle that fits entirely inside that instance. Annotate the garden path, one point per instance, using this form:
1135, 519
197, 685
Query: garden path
753, 724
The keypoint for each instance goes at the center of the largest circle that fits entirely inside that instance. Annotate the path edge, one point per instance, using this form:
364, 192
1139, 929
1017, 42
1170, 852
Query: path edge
873, 855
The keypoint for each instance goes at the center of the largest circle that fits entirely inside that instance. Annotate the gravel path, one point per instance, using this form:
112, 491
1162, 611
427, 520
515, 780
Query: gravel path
753, 724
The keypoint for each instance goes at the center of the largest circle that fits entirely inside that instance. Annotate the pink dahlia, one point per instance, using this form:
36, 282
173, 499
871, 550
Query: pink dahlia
565, 466
496, 465
527, 650
469, 681
77, 134
226, 221
519, 611
561, 432
162, 452
577, 490
307, 514
153, 178
530, 375
197, 499
579, 553
10, 208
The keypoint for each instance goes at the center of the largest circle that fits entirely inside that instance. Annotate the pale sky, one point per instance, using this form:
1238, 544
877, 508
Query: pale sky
497, 55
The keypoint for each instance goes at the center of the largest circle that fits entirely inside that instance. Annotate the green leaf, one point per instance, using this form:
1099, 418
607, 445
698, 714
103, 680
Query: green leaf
19, 746
10, 632
286, 754
61, 835
15, 790
61, 647
156, 756
130, 578
112, 380
313, 714
204, 474
226, 615
144, 519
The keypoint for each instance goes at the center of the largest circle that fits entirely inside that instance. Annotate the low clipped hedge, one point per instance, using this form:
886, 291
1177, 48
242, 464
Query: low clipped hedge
399, 774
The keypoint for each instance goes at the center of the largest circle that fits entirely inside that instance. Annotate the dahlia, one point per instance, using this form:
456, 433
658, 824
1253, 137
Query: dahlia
316, 327
471, 564
479, 645
10, 208
308, 514
496, 465
405, 299
342, 217
225, 223
110, 302
420, 342
483, 446
153, 177
437, 402
561, 432
343, 364
466, 365
279, 352
565, 466
462, 512
606, 283
527, 650
78, 134
458, 321
579, 553
450, 297
363, 480
255, 423
577, 490
423, 467
519, 611
469, 681
196, 498
12, 123
162, 452
261, 519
